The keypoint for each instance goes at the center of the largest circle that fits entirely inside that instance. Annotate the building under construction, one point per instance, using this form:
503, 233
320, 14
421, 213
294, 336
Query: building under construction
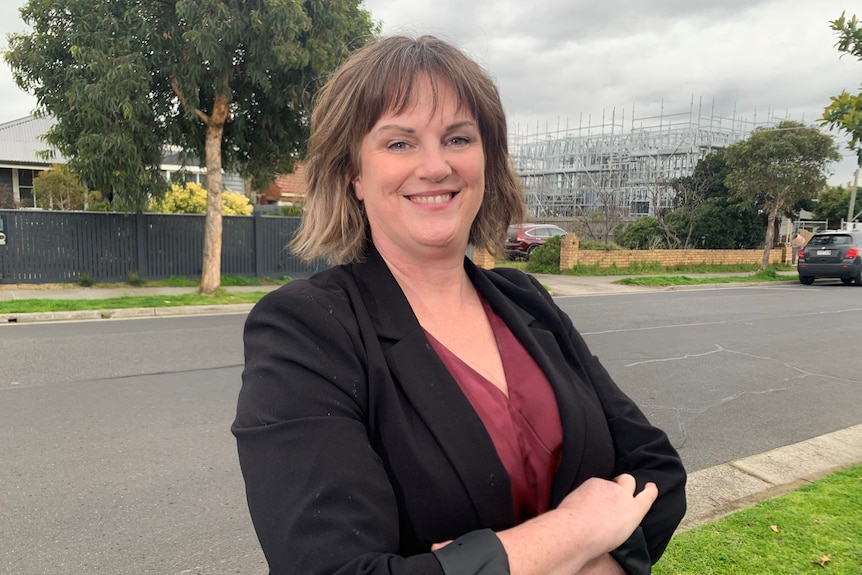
573, 172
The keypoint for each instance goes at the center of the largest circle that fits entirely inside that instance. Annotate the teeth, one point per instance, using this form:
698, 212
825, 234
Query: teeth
431, 199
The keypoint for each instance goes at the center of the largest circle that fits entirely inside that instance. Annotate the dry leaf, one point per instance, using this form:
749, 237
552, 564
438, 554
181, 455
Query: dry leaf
774, 528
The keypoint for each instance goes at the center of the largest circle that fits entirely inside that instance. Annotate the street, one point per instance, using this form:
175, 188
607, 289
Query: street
117, 456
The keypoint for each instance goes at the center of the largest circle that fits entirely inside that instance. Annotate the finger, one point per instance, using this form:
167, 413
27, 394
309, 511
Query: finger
647, 496
650, 491
437, 546
627, 482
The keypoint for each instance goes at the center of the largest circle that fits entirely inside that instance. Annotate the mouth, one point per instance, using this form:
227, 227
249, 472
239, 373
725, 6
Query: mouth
437, 199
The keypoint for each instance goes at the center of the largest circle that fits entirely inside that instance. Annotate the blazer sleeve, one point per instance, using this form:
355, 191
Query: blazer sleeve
318, 494
641, 449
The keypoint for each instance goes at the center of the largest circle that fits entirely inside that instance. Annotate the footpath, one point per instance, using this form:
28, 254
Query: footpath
712, 493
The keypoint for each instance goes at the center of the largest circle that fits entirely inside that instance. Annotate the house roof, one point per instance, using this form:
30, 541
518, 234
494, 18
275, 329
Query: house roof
20, 140
287, 187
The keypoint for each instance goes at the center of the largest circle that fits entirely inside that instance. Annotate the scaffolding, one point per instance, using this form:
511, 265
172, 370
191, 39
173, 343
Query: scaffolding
576, 171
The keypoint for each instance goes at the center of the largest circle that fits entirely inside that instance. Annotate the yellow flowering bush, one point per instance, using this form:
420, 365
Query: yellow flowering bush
191, 198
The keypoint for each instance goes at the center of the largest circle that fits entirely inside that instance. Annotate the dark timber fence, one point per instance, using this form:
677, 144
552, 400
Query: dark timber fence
56, 247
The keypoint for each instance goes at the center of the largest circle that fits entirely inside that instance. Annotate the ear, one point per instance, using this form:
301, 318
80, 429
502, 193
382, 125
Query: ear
357, 188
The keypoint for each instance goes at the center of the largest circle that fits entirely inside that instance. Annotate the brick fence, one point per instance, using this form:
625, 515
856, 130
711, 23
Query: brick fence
571, 256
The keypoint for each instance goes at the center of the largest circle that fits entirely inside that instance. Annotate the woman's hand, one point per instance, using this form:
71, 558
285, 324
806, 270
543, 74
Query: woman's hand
608, 512
594, 519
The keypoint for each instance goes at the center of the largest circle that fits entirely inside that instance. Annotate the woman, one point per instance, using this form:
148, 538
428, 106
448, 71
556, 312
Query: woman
406, 412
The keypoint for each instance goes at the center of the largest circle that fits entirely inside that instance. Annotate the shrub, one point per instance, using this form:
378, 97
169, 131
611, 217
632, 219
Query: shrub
191, 198
133, 278
85, 280
546, 258
594, 245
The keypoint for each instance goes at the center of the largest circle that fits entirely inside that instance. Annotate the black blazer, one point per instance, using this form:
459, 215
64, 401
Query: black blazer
359, 449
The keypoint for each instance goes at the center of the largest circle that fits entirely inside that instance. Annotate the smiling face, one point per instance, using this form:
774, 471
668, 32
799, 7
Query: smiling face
422, 177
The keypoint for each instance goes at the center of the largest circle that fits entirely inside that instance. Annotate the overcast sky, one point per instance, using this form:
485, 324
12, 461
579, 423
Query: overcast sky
571, 61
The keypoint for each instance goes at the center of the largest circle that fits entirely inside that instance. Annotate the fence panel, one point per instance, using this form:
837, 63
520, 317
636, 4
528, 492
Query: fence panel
57, 247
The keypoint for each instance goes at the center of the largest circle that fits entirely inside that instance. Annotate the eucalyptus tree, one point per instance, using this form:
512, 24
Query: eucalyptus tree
228, 82
777, 167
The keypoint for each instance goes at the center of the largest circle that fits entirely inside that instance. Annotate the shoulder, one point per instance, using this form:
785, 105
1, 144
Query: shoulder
513, 283
325, 294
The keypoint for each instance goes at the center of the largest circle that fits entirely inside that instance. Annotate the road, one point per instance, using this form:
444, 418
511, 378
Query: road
117, 458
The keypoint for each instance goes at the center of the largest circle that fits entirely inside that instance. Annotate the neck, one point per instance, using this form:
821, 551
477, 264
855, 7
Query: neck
431, 286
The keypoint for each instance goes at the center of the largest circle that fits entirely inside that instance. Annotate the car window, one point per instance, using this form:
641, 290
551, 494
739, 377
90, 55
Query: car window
557, 232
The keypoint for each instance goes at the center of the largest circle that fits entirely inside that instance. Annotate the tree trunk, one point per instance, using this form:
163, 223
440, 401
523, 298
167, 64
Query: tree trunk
211, 273
770, 233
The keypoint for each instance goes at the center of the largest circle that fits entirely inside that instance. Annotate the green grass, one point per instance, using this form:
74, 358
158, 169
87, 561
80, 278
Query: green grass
53, 305
816, 529
768, 275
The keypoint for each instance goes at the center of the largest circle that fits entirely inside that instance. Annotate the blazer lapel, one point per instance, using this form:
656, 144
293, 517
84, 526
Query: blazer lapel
434, 394
536, 334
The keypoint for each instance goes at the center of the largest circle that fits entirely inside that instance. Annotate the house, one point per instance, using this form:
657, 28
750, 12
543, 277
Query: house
21, 142
286, 189
19, 162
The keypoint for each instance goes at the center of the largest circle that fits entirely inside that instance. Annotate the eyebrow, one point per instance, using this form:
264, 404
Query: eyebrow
449, 128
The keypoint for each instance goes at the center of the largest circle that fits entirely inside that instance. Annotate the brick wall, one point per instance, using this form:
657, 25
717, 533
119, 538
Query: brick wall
571, 256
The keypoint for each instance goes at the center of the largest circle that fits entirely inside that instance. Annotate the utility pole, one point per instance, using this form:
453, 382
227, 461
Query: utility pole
852, 207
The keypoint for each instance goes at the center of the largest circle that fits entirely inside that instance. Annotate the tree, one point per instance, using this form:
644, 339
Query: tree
86, 68
777, 167
191, 198
60, 189
832, 205
845, 111
230, 82
707, 215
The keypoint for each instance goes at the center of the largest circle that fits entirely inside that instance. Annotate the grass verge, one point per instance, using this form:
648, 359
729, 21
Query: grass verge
816, 529
53, 305
764, 276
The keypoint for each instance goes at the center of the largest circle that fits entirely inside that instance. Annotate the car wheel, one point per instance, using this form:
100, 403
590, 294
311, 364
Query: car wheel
847, 281
530, 250
807, 280
859, 278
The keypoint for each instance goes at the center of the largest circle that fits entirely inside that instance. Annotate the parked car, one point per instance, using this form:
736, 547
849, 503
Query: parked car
522, 239
831, 254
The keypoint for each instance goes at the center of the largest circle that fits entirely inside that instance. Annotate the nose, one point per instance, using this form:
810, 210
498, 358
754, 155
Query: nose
433, 164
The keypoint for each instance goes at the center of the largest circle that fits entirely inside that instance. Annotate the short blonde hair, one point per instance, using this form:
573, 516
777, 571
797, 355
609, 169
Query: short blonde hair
381, 78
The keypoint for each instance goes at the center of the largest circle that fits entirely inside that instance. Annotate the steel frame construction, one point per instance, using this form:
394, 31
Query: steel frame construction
573, 172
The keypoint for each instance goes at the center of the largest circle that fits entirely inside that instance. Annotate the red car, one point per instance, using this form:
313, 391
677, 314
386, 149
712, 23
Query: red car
522, 239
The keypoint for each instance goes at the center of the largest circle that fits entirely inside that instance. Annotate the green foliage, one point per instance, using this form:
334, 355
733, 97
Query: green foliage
60, 189
642, 234
113, 75
291, 211
191, 198
133, 278
596, 245
845, 111
85, 280
832, 204
546, 258
775, 168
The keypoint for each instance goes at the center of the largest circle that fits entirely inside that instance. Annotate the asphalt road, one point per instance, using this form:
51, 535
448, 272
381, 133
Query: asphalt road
116, 457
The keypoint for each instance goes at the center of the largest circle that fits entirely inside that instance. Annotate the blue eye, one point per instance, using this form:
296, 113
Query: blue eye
459, 141
397, 146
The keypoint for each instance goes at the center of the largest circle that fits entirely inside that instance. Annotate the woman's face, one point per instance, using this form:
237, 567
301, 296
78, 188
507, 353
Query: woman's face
422, 177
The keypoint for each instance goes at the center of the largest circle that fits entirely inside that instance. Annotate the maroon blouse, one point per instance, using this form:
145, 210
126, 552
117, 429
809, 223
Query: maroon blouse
525, 427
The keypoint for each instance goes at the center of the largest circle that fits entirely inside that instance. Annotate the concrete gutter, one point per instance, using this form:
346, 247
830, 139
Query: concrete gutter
718, 491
